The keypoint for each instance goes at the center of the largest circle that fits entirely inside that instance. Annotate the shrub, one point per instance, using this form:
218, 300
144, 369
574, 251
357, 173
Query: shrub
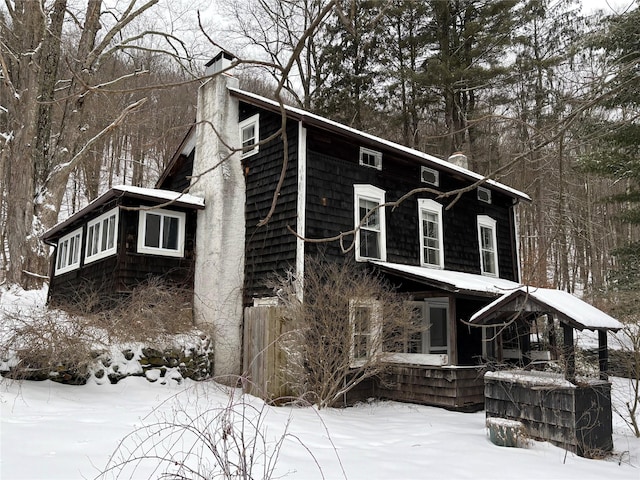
339, 335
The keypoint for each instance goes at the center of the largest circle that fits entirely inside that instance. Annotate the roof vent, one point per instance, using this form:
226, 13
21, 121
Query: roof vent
459, 159
218, 63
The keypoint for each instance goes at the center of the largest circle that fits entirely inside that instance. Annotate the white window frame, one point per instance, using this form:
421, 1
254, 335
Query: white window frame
487, 222
377, 158
373, 334
253, 121
142, 230
436, 174
486, 192
99, 223
428, 206
70, 246
377, 195
426, 356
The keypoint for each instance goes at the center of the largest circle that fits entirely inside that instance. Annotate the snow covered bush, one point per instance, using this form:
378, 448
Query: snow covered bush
150, 329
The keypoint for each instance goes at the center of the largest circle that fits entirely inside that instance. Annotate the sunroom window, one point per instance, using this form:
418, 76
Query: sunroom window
68, 252
102, 236
161, 232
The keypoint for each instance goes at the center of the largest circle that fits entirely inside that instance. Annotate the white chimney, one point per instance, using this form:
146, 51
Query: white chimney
218, 63
218, 177
459, 159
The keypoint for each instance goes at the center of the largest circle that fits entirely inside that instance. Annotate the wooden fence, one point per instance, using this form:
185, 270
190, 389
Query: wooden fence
265, 361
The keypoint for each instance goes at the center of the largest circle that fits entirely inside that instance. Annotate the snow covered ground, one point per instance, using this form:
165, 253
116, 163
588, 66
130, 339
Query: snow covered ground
53, 431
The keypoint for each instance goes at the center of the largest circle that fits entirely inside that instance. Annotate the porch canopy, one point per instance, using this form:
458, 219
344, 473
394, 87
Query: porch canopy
568, 308
515, 300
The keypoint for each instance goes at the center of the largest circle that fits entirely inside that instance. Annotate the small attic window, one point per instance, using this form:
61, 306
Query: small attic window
250, 135
484, 195
370, 158
430, 176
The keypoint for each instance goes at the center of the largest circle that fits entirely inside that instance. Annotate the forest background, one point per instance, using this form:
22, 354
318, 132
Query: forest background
537, 93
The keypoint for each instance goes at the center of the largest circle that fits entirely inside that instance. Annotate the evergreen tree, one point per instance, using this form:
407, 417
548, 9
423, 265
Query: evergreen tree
616, 154
352, 67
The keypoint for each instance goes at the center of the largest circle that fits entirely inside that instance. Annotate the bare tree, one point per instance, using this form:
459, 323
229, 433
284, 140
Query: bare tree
47, 90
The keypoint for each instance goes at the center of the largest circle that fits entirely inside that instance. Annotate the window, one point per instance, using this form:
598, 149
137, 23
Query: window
430, 176
69, 252
365, 319
370, 236
428, 344
370, 158
102, 236
161, 232
250, 135
431, 237
484, 195
487, 243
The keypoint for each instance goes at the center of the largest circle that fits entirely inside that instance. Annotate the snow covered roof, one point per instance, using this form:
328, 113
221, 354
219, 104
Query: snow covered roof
513, 297
151, 194
569, 308
317, 120
451, 281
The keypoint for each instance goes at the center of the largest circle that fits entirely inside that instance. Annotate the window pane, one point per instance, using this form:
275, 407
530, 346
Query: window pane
105, 234
373, 220
112, 231
96, 239
72, 250
90, 241
487, 238
369, 243
438, 329
152, 230
431, 256
488, 261
62, 254
170, 233
248, 136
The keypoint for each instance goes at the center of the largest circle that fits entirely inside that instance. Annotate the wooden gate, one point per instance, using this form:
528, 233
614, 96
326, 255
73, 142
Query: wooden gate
264, 359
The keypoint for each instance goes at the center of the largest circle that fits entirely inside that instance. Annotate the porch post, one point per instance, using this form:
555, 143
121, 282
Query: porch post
603, 354
569, 352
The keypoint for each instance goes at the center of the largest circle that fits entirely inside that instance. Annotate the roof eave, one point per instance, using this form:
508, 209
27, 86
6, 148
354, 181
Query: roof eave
308, 118
106, 197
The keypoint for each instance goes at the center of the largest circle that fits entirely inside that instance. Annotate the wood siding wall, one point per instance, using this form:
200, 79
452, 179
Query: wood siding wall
178, 179
270, 249
332, 170
577, 418
452, 388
